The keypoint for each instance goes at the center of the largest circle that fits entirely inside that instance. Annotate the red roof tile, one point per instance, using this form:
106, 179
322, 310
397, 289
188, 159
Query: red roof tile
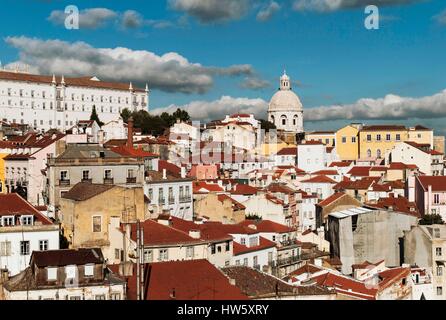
235, 204
319, 179
359, 171
267, 226
326, 172
13, 204
198, 186
242, 249
331, 199
438, 183
287, 152
244, 189
341, 164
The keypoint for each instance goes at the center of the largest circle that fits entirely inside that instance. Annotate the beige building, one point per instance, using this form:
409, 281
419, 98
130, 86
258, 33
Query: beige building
328, 138
220, 207
87, 209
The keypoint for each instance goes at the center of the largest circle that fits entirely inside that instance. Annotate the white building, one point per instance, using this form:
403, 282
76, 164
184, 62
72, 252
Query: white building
115, 129
171, 193
429, 161
285, 109
47, 102
23, 229
311, 156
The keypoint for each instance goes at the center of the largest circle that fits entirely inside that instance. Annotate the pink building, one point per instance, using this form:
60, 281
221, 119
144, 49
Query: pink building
430, 195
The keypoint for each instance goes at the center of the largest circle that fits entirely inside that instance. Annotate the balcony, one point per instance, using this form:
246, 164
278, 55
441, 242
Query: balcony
161, 201
131, 180
64, 182
287, 261
171, 200
108, 180
185, 199
87, 180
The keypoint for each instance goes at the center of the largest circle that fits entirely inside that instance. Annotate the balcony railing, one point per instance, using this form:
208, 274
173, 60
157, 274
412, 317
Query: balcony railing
171, 200
131, 179
289, 260
185, 199
64, 182
87, 180
161, 201
108, 180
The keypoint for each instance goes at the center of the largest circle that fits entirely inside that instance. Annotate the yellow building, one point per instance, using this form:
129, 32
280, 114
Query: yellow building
347, 144
267, 149
326, 137
3, 153
377, 140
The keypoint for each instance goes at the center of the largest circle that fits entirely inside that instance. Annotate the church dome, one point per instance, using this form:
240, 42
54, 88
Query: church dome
285, 99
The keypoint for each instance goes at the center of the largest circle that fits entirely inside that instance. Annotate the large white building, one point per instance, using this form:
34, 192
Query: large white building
48, 102
285, 109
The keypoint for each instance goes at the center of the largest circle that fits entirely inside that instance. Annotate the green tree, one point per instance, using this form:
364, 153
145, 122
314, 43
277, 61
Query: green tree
267, 125
429, 219
126, 114
94, 116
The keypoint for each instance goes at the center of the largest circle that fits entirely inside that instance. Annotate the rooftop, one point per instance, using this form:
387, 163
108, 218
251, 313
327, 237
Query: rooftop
84, 190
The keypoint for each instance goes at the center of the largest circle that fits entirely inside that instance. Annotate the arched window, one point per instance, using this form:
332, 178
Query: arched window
283, 120
378, 153
369, 153
295, 120
273, 120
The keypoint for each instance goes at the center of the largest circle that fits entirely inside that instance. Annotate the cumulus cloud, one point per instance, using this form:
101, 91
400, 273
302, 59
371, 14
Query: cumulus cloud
391, 107
211, 11
254, 83
268, 11
217, 109
441, 18
333, 5
92, 18
132, 19
170, 72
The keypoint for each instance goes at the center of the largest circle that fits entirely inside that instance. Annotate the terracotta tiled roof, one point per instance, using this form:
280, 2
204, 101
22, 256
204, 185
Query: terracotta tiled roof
362, 184
438, 183
132, 152
340, 164
279, 188
359, 171
331, 199
156, 234
75, 82
65, 257
267, 226
366, 264
326, 172
208, 231
239, 249
319, 179
274, 199
311, 142
83, 191
170, 167
399, 204
383, 128
287, 152
198, 187
235, 204
244, 189
390, 276
13, 204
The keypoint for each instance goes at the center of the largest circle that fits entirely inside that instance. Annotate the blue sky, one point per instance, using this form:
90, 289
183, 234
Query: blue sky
329, 52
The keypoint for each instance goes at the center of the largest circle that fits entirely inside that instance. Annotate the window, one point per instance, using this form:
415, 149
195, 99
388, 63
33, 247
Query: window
51, 273
75, 298
243, 241
253, 241
237, 262
27, 220
99, 297
24, 248
438, 252
387, 137
436, 198
64, 175
255, 260
245, 261
5, 249
439, 291
190, 252
89, 270
43, 245
369, 153
270, 257
97, 223
148, 256
163, 255
107, 174
398, 137
353, 139
85, 174
283, 120
439, 271
344, 139
378, 137
115, 296
378, 153
228, 246
117, 254
130, 173
213, 249
369, 137
70, 272
8, 221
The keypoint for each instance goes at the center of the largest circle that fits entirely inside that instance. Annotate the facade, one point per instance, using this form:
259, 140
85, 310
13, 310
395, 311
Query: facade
48, 102
430, 195
312, 156
220, 207
87, 209
90, 163
328, 138
285, 109
169, 192
23, 230
425, 246
347, 142
66, 275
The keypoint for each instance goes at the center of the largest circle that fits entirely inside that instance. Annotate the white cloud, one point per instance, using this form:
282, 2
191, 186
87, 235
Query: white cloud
170, 72
210, 11
391, 107
268, 11
254, 83
92, 18
217, 109
441, 18
333, 5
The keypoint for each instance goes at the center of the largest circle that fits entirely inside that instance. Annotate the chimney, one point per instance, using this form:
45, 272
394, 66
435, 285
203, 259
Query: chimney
318, 262
183, 172
164, 174
4, 275
195, 234
130, 133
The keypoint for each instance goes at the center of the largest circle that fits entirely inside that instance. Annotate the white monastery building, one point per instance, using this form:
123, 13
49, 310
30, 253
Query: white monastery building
50, 102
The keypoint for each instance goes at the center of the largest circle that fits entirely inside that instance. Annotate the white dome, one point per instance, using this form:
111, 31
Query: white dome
285, 100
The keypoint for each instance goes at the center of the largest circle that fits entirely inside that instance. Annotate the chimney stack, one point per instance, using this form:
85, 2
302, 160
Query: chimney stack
130, 133
164, 174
